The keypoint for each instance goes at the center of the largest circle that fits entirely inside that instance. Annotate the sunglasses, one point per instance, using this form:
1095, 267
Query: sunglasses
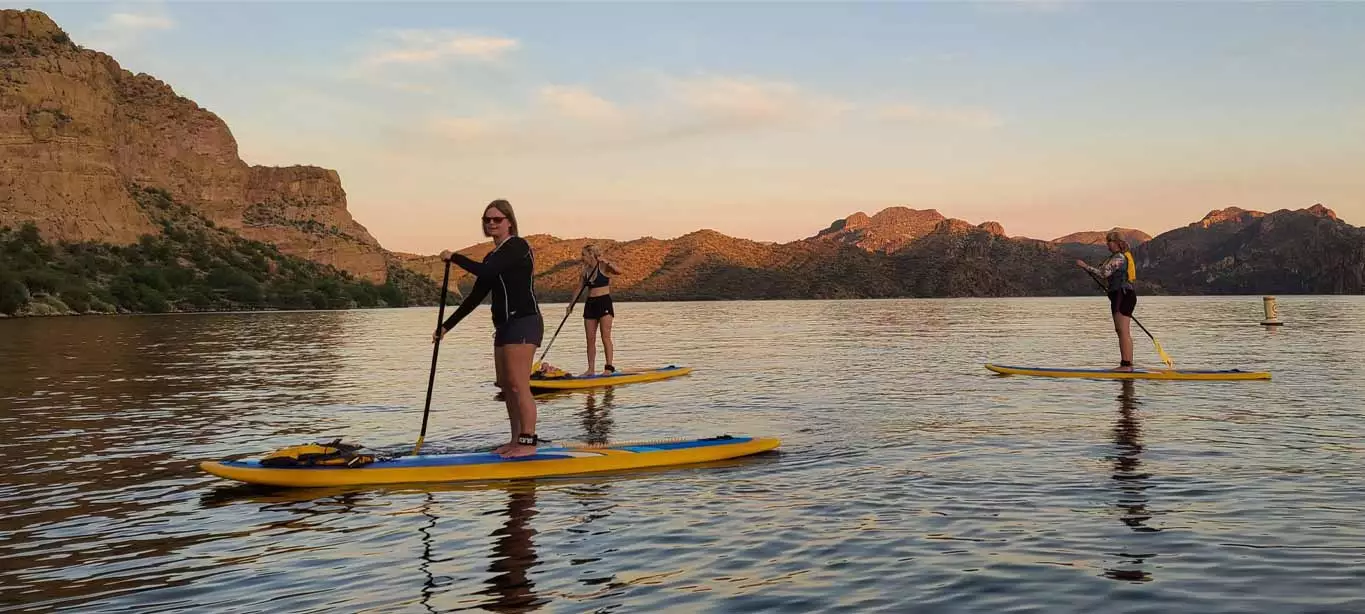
493, 220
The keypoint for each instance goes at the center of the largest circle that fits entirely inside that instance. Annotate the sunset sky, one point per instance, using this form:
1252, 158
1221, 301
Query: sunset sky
768, 120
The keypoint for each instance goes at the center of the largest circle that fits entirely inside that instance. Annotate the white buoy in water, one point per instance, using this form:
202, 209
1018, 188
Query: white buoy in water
1272, 318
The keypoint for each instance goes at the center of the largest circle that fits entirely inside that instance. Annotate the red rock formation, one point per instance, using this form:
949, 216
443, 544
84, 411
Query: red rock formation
77, 130
887, 231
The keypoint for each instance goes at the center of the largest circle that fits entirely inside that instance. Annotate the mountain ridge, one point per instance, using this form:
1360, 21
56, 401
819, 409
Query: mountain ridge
83, 138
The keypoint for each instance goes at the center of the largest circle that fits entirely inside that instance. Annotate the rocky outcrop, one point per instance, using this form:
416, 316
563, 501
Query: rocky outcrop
77, 130
1229, 215
894, 229
889, 230
952, 226
995, 228
302, 210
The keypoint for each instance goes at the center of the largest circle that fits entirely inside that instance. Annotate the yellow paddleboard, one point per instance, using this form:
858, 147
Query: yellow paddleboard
1172, 374
549, 461
572, 382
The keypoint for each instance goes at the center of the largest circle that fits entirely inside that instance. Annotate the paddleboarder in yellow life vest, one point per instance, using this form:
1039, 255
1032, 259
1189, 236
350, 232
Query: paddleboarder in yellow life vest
1118, 273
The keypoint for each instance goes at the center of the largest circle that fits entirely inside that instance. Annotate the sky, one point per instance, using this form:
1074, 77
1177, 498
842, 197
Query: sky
769, 120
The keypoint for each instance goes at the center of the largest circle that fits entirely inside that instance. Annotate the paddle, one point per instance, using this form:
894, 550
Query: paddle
1164, 356
536, 367
435, 348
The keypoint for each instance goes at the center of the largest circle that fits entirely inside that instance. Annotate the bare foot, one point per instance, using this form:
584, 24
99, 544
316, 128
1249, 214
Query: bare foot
503, 448
517, 450
1124, 369
587, 373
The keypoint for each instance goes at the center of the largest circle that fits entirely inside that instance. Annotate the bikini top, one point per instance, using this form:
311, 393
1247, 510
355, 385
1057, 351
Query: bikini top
600, 280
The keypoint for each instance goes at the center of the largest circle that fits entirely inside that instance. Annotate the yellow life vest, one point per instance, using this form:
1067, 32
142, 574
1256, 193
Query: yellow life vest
313, 454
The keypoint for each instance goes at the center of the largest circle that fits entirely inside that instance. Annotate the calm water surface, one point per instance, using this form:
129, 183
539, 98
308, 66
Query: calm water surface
910, 478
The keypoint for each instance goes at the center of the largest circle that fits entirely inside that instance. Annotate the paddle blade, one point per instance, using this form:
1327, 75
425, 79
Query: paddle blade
1166, 358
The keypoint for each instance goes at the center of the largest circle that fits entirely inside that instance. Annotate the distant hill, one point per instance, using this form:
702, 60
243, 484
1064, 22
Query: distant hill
1232, 251
892, 229
1089, 244
1097, 237
950, 258
892, 254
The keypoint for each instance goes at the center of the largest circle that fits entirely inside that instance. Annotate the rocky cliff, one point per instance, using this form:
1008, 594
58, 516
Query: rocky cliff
1238, 251
77, 129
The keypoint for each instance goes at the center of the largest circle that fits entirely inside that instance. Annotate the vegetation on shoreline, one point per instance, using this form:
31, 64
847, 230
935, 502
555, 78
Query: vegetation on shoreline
190, 266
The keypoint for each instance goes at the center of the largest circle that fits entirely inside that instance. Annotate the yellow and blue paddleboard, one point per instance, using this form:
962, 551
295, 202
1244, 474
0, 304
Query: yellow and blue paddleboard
546, 462
597, 380
1136, 373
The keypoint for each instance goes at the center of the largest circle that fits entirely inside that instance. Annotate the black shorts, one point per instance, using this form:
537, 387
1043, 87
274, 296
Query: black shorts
1123, 301
597, 306
526, 329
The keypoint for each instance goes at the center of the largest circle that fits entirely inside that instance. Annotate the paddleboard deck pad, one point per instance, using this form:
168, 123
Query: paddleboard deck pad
571, 382
547, 461
1136, 373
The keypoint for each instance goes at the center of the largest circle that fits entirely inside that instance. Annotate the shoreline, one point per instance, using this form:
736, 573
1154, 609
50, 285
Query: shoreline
1256, 296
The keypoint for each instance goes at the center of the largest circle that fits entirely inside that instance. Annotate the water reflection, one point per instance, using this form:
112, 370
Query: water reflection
1133, 482
596, 419
514, 555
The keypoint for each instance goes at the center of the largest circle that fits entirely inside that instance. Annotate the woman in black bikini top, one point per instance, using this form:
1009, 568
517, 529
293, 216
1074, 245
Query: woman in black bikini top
598, 311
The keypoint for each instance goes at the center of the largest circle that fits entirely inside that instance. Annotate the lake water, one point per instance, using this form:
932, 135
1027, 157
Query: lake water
910, 478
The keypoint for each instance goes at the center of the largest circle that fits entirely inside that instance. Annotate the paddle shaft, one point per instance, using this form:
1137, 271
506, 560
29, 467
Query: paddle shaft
435, 349
561, 322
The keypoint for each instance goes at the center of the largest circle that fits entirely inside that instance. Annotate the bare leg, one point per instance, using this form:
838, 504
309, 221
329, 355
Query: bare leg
590, 326
500, 367
518, 359
607, 345
1121, 326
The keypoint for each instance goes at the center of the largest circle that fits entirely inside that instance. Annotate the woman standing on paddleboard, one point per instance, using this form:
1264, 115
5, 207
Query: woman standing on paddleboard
1119, 272
507, 272
597, 309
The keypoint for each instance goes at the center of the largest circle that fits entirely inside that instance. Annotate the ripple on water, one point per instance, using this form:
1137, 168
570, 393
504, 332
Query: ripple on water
909, 476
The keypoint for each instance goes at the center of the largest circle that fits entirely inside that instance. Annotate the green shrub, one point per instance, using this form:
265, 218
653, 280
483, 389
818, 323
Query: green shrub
78, 299
13, 295
188, 265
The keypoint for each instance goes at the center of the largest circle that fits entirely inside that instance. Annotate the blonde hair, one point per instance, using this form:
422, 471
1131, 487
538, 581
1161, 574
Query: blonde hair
1116, 238
593, 250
